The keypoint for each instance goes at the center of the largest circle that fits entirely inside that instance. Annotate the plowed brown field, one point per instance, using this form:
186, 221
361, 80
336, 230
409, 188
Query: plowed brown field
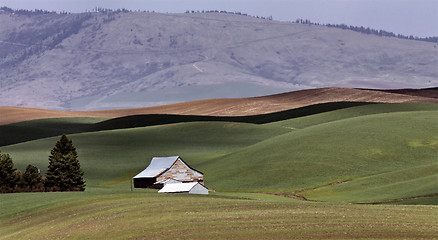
235, 106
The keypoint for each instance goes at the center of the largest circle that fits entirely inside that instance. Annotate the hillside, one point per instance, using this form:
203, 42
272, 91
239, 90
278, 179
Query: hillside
215, 217
108, 60
233, 107
276, 179
361, 150
382, 149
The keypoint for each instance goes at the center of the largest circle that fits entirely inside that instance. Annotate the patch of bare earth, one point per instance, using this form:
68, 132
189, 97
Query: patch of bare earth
227, 107
400, 199
429, 93
289, 195
295, 195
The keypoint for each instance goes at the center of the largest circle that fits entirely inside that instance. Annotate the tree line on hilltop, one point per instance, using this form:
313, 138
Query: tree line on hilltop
64, 172
360, 29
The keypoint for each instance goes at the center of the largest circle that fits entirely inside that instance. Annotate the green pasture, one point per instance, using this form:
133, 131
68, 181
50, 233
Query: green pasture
294, 118
107, 157
351, 112
43, 128
215, 216
349, 149
420, 182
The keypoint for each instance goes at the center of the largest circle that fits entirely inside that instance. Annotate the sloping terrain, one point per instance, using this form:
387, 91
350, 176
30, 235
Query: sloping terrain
429, 92
107, 60
367, 145
383, 156
229, 107
373, 153
106, 156
216, 216
41, 128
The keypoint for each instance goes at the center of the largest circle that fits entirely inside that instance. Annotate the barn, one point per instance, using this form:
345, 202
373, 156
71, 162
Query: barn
166, 168
191, 188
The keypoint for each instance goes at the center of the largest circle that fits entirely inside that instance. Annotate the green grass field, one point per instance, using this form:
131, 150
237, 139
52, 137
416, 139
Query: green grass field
166, 216
43, 128
386, 153
119, 154
342, 150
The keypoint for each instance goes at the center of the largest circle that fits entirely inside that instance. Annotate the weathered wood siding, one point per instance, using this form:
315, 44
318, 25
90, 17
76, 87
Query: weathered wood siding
181, 172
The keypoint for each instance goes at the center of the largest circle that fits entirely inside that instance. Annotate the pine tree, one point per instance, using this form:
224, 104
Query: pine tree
8, 179
32, 178
64, 172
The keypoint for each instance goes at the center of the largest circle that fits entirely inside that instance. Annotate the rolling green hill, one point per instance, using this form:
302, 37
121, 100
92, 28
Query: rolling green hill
340, 114
120, 154
365, 144
415, 182
297, 118
41, 128
349, 149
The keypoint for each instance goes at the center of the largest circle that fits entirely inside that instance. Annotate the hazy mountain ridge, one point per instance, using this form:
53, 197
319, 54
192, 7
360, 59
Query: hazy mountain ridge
118, 59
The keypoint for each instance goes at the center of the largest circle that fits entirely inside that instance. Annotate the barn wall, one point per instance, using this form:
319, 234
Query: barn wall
144, 182
181, 172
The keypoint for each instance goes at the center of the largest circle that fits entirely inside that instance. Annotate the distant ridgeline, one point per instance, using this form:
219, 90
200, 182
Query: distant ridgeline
360, 29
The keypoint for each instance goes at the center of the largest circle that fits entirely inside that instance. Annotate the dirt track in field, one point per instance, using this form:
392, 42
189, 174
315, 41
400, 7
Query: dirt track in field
235, 106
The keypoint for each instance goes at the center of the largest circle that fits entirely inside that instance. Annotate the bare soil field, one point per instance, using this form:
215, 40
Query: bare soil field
430, 93
235, 106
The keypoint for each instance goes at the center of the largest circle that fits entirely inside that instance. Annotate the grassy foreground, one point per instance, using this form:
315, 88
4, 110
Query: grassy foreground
151, 215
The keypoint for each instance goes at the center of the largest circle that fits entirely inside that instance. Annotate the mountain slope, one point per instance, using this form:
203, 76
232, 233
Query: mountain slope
131, 59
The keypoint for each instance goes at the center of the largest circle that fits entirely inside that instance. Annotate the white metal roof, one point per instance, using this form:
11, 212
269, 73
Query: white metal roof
177, 187
157, 166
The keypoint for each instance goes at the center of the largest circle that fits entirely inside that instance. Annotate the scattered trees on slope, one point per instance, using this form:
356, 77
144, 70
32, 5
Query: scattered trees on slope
7, 173
64, 172
12, 180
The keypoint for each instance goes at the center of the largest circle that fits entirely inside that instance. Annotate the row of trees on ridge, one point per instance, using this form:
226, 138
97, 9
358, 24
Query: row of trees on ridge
361, 29
64, 172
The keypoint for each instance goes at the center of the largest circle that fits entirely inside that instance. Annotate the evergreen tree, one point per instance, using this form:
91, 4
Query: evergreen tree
18, 182
7, 173
64, 172
32, 178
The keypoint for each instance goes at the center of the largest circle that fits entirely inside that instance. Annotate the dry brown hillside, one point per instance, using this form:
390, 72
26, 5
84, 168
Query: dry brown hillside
230, 107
